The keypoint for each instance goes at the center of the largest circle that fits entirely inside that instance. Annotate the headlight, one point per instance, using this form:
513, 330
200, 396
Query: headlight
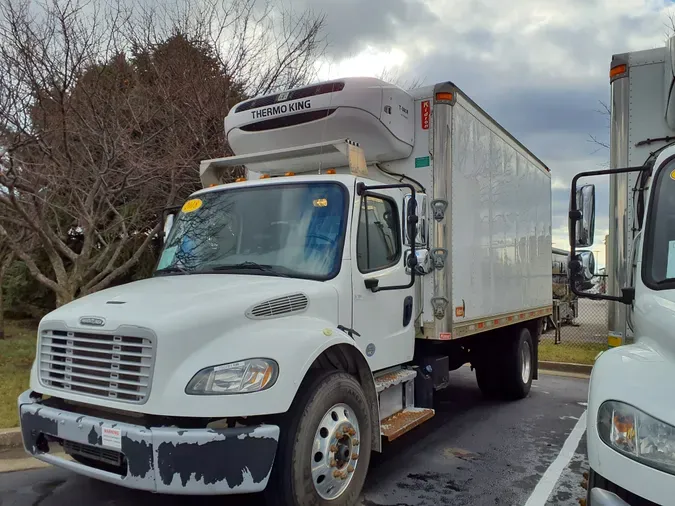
241, 377
637, 435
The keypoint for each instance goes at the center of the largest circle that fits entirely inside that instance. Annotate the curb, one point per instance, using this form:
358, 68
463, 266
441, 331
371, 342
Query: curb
10, 438
565, 367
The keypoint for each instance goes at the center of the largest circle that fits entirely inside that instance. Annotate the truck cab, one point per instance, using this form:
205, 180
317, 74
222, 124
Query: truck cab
631, 420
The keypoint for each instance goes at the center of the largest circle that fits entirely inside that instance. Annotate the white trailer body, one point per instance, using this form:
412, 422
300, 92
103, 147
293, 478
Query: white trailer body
631, 420
495, 235
300, 315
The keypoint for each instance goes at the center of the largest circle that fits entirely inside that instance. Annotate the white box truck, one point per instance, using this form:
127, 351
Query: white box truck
630, 418
305, 313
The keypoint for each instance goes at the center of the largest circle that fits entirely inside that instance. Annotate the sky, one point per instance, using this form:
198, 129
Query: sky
539, 67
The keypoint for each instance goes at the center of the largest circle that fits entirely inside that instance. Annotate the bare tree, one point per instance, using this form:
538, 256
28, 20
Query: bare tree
105, 114
394, 76
604, 110
6, 258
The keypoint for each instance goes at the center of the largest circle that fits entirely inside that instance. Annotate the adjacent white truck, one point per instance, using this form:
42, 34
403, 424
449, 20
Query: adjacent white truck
631, 416
302, 315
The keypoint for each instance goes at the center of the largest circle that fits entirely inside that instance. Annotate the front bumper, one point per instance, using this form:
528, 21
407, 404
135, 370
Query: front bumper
600, 497
156, 459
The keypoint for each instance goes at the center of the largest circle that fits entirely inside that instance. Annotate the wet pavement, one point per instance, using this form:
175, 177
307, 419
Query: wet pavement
473, 452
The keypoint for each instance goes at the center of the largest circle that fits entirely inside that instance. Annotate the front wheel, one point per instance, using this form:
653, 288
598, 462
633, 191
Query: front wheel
325, 444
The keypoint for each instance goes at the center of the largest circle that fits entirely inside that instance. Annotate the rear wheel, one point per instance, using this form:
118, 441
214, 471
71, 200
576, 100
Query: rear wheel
324, 450
518, 365
505, 369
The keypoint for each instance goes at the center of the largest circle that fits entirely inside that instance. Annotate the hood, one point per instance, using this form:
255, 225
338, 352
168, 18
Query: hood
185, 300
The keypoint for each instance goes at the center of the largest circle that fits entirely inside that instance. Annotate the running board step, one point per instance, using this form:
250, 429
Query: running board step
391, 379
405, 420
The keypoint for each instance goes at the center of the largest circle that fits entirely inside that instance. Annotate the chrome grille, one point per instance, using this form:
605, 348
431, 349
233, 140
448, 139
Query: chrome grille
115, 367
279, 306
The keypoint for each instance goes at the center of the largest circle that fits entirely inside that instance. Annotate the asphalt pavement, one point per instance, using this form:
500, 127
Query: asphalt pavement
473, 452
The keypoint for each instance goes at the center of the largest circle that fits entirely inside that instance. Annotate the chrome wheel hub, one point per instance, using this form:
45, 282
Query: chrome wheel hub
335, 452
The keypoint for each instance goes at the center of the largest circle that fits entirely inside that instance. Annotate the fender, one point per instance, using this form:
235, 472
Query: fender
340, 342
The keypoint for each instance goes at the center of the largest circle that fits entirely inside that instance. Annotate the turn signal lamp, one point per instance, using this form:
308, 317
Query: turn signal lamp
444, 95
331, 171
290, 174
264, 176
617, 71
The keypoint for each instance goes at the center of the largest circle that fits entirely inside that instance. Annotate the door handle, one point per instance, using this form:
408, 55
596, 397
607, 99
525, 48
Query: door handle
407, 310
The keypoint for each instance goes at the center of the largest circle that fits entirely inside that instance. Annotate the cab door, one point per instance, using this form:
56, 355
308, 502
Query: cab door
383, 317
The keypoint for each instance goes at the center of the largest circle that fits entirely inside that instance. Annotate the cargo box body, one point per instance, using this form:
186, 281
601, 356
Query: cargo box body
495, 233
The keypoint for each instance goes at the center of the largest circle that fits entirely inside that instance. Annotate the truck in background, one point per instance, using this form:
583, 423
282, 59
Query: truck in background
565, 302
305, 313
630, 417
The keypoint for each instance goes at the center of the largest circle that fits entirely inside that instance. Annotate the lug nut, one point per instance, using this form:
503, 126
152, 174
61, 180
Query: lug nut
337, 474
333, 448
333, 463
355, 442
352, 432
355, 456
350, 469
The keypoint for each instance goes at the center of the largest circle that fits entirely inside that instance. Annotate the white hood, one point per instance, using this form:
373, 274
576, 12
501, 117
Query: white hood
194, 299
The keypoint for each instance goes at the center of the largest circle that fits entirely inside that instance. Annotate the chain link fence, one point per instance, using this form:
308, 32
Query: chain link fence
577, 330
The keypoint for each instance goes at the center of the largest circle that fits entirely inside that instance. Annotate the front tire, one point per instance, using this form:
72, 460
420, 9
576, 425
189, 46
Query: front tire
325, 443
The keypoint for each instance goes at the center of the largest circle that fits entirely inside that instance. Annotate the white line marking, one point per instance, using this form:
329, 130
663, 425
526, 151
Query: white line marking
543, 490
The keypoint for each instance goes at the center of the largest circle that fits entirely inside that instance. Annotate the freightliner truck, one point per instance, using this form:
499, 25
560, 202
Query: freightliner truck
304, 315
631, 414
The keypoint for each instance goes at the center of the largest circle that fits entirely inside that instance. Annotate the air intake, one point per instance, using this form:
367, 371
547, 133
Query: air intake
280, 306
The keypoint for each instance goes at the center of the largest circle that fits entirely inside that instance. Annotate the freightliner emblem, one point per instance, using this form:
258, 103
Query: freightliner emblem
92, 320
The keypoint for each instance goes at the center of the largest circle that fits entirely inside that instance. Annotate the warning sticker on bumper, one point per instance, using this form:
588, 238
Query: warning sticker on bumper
112, 438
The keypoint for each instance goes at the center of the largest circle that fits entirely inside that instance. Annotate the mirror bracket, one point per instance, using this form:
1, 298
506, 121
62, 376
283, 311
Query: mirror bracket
372, 284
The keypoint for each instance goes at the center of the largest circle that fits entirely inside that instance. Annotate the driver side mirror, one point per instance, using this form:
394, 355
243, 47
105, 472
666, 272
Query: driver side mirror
582, 216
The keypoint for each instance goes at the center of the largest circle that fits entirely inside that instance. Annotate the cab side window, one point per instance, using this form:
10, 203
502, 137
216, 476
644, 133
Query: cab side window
378, 242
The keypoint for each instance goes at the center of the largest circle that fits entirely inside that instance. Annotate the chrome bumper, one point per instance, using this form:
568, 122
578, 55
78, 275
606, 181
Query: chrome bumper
157, 459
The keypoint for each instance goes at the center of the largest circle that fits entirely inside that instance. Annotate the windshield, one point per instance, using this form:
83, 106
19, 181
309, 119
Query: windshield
659, 261
285, 229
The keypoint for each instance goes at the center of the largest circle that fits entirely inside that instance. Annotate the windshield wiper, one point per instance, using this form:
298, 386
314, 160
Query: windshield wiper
172, 270
249, 266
